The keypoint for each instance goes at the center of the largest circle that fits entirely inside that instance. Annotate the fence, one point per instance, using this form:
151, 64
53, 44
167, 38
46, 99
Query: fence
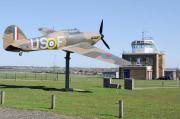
30, 76
157, 84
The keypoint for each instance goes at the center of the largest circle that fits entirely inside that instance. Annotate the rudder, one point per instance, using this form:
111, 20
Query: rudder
11, 35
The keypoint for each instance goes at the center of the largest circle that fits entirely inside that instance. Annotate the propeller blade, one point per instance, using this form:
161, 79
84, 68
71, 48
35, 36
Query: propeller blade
105, 43
102, 36
101, 27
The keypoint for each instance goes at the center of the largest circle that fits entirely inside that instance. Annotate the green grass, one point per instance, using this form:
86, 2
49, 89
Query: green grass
153, 103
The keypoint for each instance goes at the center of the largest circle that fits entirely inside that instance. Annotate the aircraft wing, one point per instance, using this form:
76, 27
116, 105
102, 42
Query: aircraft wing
88, 50
46, 31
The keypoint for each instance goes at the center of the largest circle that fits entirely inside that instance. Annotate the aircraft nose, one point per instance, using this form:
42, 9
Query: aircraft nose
95, 37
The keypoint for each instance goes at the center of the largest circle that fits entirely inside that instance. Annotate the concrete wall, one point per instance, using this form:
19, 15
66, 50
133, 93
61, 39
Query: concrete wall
140, 72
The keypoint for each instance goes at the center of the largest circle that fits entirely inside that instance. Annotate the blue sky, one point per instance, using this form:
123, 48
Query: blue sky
124, 20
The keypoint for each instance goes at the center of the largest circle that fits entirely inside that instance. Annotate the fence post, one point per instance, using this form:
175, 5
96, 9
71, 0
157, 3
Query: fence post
15, 76
53, 102
25, 75
57, 76
41, 75
121, 110
162, 83
35, 75
6, 75
2, 97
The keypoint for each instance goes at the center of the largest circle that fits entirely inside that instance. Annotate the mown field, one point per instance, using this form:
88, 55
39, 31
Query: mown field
150, 99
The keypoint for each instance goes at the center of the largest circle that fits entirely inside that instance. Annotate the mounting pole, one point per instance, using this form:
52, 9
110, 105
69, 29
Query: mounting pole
143, 35
67, 71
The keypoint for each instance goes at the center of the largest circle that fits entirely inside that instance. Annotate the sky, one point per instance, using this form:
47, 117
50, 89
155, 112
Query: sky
124, 21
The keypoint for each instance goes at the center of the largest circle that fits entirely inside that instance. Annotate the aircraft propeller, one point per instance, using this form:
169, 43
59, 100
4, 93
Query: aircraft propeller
102, 36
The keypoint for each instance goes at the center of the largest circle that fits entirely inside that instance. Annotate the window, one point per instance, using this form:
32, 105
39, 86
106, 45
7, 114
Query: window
147, 61
138, 61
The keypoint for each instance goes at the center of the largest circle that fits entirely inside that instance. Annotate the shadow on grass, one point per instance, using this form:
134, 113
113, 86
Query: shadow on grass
44, 88
109, 115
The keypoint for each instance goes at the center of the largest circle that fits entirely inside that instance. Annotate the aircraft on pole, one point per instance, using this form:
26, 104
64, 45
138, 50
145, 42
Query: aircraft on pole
70, 41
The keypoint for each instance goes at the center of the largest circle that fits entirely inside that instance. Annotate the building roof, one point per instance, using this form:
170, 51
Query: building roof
170, 69
131, 53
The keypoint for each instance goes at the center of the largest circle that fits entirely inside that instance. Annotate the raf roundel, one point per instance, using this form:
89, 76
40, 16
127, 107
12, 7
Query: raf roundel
51, 43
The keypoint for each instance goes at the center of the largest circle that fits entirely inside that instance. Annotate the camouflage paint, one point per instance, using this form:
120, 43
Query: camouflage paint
67, 40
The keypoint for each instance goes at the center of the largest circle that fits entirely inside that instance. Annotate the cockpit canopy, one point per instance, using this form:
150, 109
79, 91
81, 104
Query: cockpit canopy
75, 30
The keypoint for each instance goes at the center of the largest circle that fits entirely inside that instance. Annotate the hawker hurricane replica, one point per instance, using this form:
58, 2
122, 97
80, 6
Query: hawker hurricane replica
70, 40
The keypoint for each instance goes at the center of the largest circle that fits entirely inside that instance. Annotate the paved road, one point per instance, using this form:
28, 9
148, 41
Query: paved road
8, 113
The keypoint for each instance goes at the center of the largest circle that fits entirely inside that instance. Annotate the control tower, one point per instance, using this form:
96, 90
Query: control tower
147, 61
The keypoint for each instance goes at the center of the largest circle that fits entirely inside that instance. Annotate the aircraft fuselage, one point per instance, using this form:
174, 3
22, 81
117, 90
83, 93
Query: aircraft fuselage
59, 39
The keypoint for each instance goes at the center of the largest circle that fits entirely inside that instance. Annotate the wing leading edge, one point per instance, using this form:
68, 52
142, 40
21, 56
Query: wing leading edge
90, 51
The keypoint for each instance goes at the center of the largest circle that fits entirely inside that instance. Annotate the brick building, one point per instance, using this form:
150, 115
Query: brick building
147, 61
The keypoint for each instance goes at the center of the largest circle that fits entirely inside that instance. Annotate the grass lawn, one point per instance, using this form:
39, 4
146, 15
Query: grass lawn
161, 101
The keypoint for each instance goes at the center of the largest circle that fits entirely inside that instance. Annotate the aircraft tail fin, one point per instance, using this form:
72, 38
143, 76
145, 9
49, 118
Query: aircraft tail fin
12, 35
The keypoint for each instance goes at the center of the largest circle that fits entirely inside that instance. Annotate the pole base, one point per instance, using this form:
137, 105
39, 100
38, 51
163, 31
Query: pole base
68, 89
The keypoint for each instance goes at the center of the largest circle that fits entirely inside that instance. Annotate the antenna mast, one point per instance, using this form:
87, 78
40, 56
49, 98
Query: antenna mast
143, 35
